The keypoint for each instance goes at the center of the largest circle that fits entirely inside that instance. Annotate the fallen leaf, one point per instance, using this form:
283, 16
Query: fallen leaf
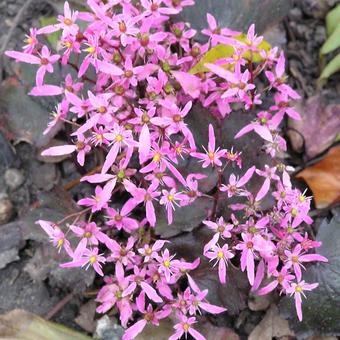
19, 324
324, 178
322, 305
271, 326
318, 128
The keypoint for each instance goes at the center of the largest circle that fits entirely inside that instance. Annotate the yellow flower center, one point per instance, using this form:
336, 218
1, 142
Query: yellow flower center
119, 138
294, 212
167, 263
90, 49
157, 157
177, 118
29, 41
298, 289
118, 218
88, 234
220, 254
302, 198
171, 197
68, 22
145, 118
186, 327
93, 259
211, 155
60, 242
295, 259
102, 109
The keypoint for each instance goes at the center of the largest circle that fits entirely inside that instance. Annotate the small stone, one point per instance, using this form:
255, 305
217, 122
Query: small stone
108, 329
259, 303
14, 178
320, 34
6, 210
295, 14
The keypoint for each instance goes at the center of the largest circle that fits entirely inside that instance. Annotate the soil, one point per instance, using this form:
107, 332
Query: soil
305, 33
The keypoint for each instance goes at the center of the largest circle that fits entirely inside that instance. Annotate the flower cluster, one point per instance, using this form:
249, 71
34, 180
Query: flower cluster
126, 95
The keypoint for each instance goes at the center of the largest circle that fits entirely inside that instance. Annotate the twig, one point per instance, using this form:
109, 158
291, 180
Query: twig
59, 306
16, 22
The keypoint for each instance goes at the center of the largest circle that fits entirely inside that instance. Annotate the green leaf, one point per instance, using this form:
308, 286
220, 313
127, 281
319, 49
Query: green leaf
332, 43
333, 20
226, 51
254, 57
218, 52
52, 38
332, 67
19, 324
322, 305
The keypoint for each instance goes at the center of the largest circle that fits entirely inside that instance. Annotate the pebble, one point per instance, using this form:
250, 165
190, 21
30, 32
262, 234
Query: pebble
6, 210
259, 303
14, 178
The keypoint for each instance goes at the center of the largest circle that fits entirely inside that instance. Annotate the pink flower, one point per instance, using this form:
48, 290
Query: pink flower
215, 30
150, 253
154, 8
121, 253
57, 237
143, 195
262, 126
45, 61
119, 137
31, 41
98, 201
212, 155
81, 147
197, 300
138, 279
252, 40
190, 84
170, 199
149, 316
221, 229
67, 21
221, 255
240, 86
166, 264
89, 257
249, 245
123, 27
184, 327
282, 278
90, 233
235, 184
120, 219
298, 289
295, 260
269, 174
